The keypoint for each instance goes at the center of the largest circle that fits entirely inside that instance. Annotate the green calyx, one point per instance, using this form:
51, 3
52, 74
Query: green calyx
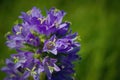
36, 55
16, 59
41, 37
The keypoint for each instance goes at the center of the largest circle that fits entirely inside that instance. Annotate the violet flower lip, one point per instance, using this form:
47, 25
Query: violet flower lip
45, 47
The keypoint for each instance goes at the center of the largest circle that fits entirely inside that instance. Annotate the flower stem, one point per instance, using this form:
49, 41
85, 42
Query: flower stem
42, 76
30, 78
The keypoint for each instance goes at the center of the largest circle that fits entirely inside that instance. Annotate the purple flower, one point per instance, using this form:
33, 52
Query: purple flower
61, 45
63, 29
21, 36
50, 45
31, 39
44, 45
13, 71
34, 12
49, 66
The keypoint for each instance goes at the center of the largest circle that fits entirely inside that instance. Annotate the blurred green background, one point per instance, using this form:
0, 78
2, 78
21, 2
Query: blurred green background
96, 21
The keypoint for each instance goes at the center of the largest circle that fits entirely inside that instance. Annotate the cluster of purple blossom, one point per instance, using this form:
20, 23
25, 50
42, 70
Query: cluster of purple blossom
45, 47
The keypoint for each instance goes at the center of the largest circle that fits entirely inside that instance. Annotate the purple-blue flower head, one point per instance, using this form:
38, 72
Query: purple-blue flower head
45, 46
